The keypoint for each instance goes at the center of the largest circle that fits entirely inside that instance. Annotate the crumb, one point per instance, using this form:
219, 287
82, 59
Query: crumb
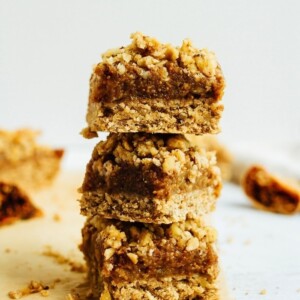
246, 293
263, 292
57, 280
7, 250
62, 260
32, 288
88, 133
44, 293
247, 242
229, 240
56, 218
72, 297
298, 291
15, 294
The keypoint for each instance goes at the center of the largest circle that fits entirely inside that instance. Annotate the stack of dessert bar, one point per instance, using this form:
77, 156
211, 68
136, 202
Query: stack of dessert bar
147, 188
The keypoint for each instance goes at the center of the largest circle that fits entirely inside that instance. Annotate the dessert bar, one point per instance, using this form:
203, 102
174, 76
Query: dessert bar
149, 261
15, 205
152, 178
24, 162
268, 192
152, 87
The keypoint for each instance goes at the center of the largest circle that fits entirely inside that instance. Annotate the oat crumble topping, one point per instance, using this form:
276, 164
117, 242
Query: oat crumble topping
148, 53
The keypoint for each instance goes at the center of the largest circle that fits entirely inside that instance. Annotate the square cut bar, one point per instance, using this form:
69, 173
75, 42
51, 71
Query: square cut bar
271, 193
15, 205
150, 261
153, 87
152, 178
24, 162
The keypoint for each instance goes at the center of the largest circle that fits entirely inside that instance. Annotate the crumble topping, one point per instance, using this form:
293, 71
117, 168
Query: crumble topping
23, 141
223, 155
159, 166
148, 53
26, 163
142, 239
18, 145
169, 152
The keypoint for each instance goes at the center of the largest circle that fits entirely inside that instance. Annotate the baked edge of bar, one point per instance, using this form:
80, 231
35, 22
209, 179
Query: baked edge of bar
144, 116
176, 208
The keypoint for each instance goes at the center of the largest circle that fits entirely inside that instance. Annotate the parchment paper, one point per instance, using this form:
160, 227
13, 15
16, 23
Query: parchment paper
22, 243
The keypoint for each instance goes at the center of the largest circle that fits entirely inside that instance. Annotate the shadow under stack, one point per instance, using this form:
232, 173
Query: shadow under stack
147, 189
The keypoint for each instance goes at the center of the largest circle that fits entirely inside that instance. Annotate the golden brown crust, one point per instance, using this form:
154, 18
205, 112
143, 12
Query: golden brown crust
149, 74
270, 193
15, 205
24, 162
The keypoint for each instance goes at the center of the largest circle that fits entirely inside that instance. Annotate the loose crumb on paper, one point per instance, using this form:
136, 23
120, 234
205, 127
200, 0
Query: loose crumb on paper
229, 240
62, 260
32, 288
72, 297
263, 292
247, 242
56, 218
57, 280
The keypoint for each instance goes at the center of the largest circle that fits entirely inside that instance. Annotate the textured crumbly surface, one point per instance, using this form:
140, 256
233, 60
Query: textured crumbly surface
270, 193
175, 261
24, 162
157, 178
153, 87
15, 205
211, 143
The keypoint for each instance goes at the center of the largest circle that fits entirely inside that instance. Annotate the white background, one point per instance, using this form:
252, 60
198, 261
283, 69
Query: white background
48, 48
